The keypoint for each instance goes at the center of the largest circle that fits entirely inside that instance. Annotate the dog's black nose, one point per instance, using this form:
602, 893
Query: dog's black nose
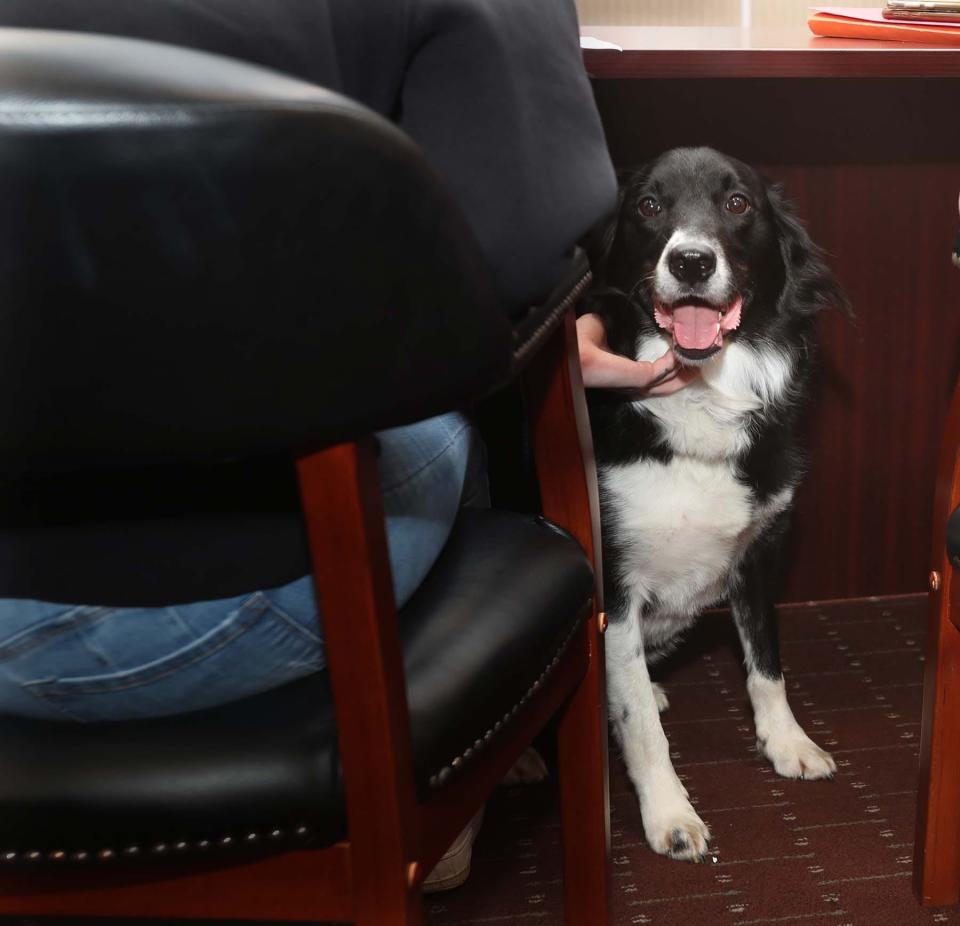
690, 265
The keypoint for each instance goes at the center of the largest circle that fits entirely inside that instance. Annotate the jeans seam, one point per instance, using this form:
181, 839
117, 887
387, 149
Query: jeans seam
294, 625
31, 638
446, 447
47, 689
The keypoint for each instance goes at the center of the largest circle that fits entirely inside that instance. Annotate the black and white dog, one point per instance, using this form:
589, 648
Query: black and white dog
696, 487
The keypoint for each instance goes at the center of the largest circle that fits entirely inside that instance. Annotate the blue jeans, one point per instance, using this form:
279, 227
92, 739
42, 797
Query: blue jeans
86, 663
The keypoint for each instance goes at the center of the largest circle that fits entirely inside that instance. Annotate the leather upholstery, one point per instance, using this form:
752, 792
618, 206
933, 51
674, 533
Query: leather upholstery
502, 600
206, 266
203, 259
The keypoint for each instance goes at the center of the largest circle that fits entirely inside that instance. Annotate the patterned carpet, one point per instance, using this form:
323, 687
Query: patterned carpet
833, 853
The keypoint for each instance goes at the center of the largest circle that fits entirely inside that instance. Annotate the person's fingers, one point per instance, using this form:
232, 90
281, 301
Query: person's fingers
676, 380
674, 376
603, 369
667, 363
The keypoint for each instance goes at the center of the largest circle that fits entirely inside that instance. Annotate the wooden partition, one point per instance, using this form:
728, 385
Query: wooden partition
865, 138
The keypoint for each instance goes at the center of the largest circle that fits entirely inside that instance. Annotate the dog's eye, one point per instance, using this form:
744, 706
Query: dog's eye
649, 207
737, 204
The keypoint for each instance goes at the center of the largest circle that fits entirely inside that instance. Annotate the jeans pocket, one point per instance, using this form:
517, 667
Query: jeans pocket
255, 647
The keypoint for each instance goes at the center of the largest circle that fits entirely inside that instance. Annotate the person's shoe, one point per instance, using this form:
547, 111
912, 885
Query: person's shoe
529, 769
454, 868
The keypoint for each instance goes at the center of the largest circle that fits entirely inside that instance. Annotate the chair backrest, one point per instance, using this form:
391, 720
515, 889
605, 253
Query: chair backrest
202, 260
206, 268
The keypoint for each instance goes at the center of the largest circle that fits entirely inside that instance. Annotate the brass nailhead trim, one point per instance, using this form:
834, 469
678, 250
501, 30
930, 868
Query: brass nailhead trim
160, 848
535, 336
441, 777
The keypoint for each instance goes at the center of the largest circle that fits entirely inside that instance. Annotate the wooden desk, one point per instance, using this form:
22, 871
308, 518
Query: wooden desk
865, 137
786, 51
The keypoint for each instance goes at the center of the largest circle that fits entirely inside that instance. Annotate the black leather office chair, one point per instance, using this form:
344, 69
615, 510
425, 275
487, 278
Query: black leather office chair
214, 283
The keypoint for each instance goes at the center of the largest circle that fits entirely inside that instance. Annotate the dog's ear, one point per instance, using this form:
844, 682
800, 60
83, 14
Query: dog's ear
598, 241
810, 285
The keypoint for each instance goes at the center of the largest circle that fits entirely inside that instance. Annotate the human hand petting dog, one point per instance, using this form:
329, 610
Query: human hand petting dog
603, 369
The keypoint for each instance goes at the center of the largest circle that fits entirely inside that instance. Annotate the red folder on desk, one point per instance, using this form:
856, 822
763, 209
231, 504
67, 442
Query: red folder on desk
866, 23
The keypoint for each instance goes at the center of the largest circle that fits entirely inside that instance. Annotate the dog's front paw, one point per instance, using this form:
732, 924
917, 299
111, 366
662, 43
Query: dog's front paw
795, 755
674, 829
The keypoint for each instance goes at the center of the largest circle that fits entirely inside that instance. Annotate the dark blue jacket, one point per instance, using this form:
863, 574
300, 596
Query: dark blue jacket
493, 90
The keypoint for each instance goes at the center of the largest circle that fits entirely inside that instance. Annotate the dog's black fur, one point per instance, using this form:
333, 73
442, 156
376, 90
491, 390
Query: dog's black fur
784, 282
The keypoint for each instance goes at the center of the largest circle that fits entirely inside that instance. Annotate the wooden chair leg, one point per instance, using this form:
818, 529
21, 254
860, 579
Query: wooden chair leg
343, 510
936, 865
936, 858
585, 795
563, 450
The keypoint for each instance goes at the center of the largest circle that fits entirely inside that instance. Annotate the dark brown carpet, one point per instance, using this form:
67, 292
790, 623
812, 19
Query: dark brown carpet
787, 852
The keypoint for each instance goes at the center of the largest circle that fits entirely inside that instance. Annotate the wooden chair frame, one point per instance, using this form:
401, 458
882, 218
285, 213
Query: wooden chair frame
375, 878
936, 865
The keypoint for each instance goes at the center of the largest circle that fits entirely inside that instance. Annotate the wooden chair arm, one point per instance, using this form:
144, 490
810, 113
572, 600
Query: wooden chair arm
945, 513
562, 441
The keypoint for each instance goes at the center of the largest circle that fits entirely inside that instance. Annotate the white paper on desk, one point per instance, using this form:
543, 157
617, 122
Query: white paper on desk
588, 41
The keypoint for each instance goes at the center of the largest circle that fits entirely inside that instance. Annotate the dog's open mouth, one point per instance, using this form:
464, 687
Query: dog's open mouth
698, 326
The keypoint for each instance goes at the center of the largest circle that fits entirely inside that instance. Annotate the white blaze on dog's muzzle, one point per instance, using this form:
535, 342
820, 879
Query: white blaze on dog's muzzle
695, 306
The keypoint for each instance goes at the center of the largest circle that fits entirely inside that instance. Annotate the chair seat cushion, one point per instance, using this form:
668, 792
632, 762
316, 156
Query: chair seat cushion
498, 607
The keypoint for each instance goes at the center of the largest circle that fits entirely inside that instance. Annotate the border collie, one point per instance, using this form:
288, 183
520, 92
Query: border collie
697, 486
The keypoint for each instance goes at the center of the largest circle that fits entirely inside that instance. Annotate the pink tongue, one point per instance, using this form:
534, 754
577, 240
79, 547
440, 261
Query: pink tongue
696, 327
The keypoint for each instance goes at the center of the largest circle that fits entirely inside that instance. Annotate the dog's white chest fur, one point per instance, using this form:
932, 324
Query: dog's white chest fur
682, 526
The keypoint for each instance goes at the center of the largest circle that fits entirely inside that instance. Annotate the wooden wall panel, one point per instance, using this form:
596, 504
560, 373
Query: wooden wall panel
873, 167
